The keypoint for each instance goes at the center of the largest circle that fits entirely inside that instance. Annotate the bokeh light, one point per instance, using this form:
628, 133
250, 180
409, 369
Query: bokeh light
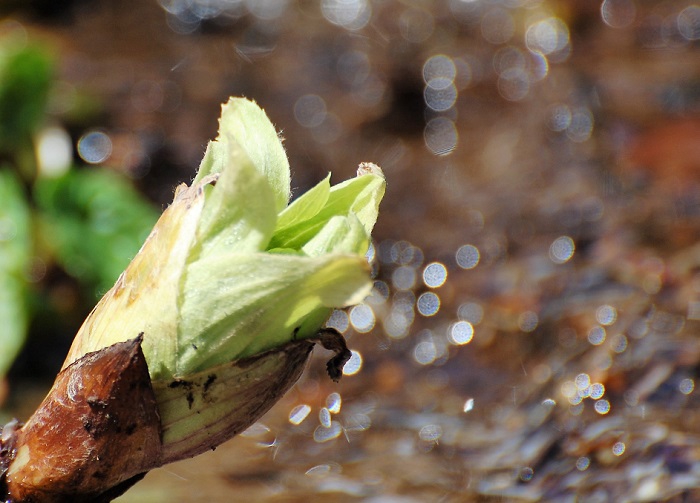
354, 364
467, 256
428, 304
461, 333
362, 318
548, 36
350, 14
94, 147
440, 135
299, 413
562, 249
434, 275
689, 22
618, 13
618, 448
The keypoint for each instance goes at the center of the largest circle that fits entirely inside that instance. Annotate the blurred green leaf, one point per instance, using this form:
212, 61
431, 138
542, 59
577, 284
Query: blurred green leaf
15, 253
25, 80
93, 223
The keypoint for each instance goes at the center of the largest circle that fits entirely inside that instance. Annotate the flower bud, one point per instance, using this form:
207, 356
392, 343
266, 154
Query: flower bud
224, 301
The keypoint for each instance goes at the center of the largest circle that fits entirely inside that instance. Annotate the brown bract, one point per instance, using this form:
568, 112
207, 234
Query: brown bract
97, 428
105, 424
225, 400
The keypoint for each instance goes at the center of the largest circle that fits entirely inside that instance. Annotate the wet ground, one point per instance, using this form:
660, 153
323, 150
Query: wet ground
533, 333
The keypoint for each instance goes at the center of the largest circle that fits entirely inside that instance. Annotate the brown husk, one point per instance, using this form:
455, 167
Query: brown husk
97, 428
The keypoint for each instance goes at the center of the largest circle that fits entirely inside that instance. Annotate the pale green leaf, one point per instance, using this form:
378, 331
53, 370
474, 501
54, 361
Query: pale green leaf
239, 305
339, 235
245, 122
145, 297
238, 214
305, 206
358, 196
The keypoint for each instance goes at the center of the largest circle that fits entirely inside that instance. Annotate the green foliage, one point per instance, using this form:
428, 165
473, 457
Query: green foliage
15, 253
25, 80
90, 222
93, 222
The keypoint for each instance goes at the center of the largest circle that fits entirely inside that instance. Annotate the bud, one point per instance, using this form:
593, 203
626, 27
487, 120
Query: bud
227, 295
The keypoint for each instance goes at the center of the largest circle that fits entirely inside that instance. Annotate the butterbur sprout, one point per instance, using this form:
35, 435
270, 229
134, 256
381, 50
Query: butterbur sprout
210, 324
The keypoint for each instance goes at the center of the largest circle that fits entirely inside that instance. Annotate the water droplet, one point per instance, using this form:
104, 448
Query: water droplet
471, 312
596, 336
428, 304
440, 95
602, 407
582, 381
397, 324
618, 343
528, 321
547, 36
526, 474
299, 413
467, 256
324, 434
606, 315
362, 318
354, 364
569, 389
380, 293
439, 67
430, 433
688, 22
461, 333
562, 249
339, 320
319, 470
94, 147
559, 118
583, 463
334, 402
686, 386
440, 135
310, 110
618, 13
435, 275
597, 390
350, 14
324, 417
425, 352
581, 126
403, 278
618, 449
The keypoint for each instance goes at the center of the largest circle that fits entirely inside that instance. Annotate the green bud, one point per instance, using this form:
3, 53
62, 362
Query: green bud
232, 281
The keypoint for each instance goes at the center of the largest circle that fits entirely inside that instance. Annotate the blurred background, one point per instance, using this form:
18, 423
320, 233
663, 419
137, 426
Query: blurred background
533, 330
